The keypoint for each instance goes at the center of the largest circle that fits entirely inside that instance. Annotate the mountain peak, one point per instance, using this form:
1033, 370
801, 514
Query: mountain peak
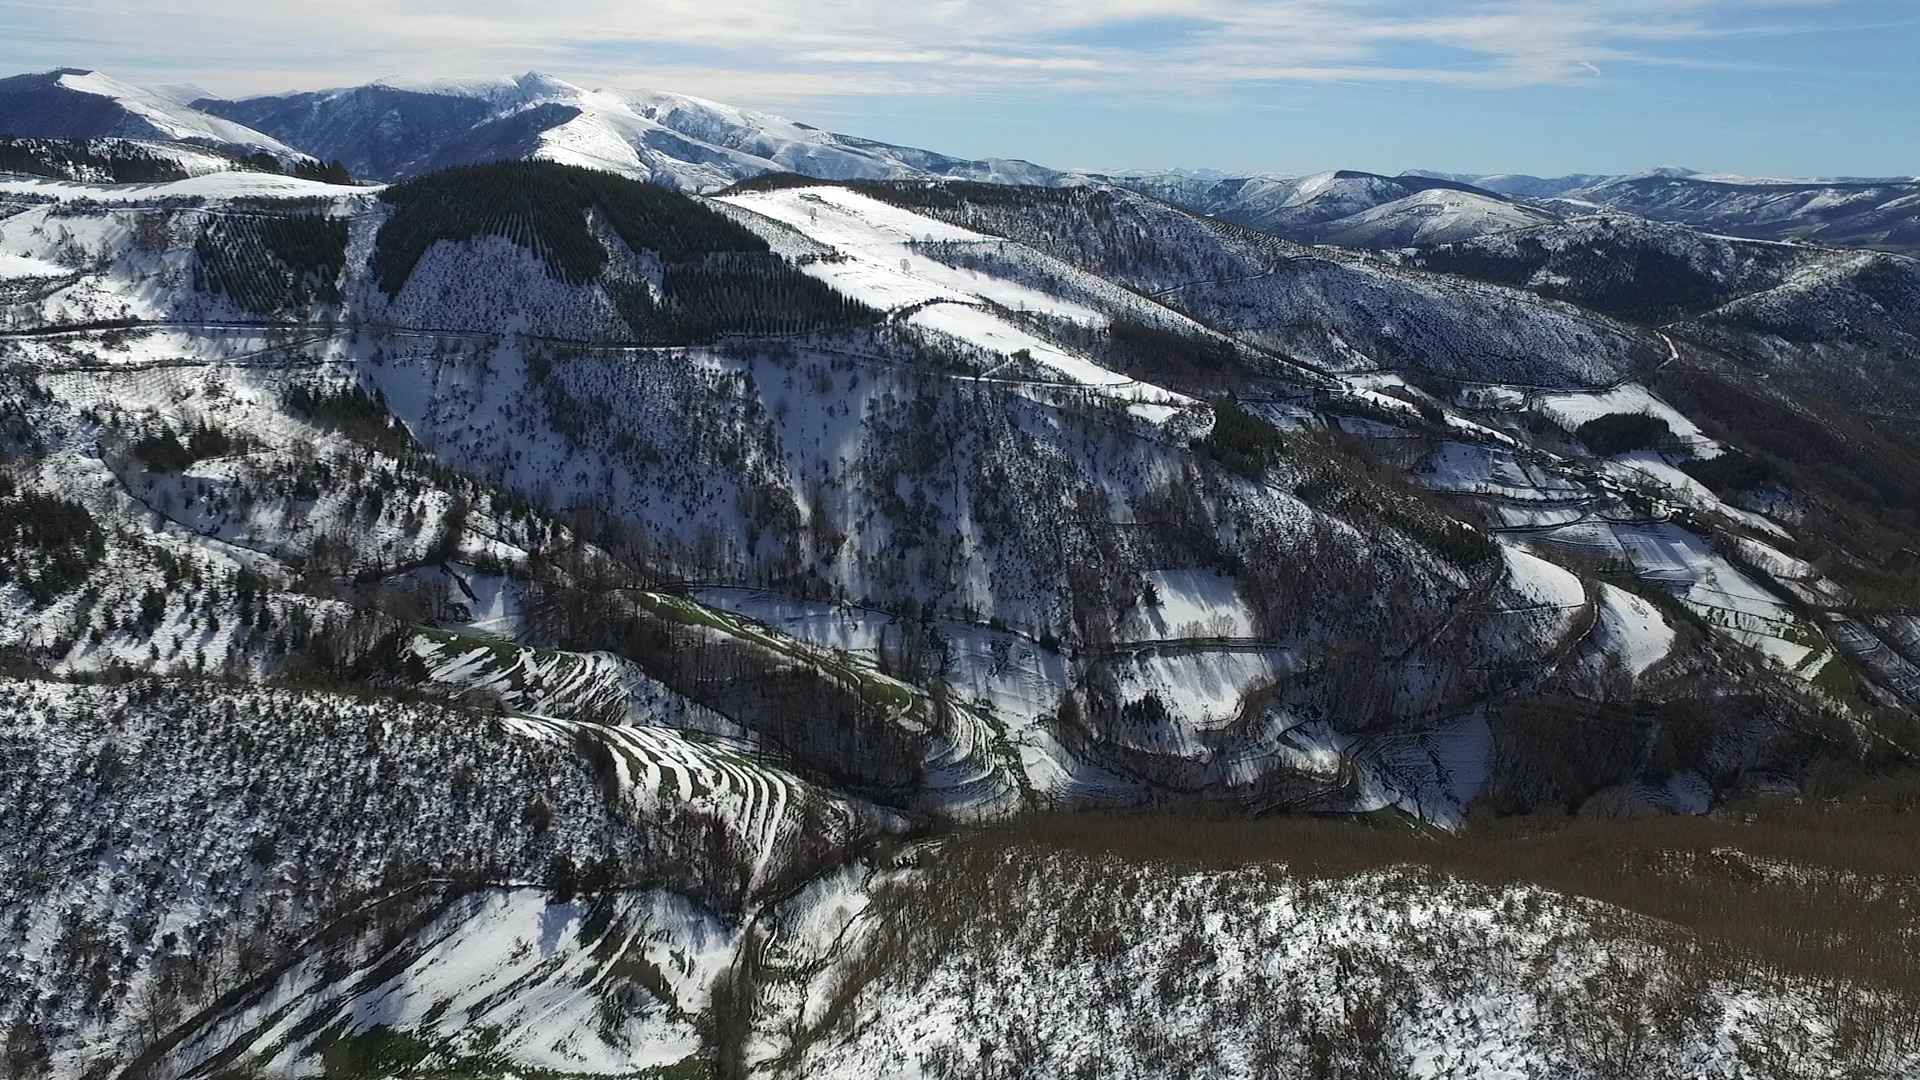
81, 103
399, 127
1666, 172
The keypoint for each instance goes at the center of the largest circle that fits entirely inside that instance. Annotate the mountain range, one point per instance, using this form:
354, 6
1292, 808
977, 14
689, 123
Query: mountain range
392, 130
604, 584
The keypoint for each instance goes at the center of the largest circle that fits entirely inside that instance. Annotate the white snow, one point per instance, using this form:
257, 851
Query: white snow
171, 118
1192, 604
1736, 604
516, 962
1774, 561
664, 773
881, 267
22, 266
989, 331
1201, 689
700, 145
1162, 972
1469, 468
219, 185
1540, 583
1570, 410
874, 262
1632, 629
1638, 466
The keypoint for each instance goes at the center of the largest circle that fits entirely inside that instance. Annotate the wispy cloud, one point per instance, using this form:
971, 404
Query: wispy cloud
763, 50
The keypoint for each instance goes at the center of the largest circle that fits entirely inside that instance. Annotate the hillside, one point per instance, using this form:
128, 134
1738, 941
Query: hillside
72, 103
525, 620
1838, 324
1866, 212
1345, 208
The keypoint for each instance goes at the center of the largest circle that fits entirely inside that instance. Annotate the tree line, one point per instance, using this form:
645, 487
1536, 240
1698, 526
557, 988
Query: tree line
108, 161
543, 206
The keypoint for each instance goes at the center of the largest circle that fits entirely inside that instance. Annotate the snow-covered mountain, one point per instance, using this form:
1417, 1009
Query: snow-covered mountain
392, 130
1882, 213
399, 128
1422, 208
71, 103
1432, 216
1869, 212
1351, 209
524, 621
1795, 309
1520, 184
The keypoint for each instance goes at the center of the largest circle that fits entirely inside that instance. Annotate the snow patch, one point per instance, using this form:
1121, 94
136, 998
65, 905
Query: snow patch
1571, 410
23, 266
1632, 629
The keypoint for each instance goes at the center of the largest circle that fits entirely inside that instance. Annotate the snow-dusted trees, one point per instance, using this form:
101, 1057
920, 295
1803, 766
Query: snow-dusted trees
272, 263
111, 161
47, 545
741, 293
717, 276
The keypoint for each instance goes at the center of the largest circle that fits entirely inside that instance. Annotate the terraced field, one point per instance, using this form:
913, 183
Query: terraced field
769, 816
496, 976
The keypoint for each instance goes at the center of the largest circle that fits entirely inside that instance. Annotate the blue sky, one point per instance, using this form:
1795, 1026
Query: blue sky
1760, 87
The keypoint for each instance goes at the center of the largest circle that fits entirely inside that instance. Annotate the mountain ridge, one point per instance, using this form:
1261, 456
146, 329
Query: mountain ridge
394, 128
75, 103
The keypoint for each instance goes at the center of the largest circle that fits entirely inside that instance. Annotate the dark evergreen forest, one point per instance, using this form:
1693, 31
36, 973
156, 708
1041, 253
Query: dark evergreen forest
718, 277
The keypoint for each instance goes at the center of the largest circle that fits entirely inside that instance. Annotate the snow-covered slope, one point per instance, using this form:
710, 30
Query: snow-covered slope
1031, 963
1337, 311
1841, 323
978, 427
223, 184
1351, 209
871, 256
78, 104
392, 130
1872, 212
514, 621
1433, 216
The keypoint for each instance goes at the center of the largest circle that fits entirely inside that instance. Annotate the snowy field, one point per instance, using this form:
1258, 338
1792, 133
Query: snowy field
1572, 410
874, 261
217, 185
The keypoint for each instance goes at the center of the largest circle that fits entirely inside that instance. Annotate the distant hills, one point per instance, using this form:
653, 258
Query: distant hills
395, 129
